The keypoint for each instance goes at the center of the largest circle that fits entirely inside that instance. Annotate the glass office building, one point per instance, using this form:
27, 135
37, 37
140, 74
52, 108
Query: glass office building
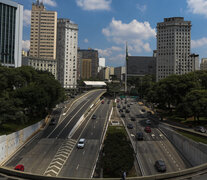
11, 26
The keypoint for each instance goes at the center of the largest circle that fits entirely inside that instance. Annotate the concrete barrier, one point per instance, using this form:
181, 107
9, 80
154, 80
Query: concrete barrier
10, 143
195, 153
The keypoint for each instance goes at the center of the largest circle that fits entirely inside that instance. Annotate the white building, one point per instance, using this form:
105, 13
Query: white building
173, 47
67, 43
101, 63
11, 28
203, 64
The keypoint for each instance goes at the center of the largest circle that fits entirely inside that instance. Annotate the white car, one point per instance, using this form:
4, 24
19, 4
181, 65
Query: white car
148, 122
81, 143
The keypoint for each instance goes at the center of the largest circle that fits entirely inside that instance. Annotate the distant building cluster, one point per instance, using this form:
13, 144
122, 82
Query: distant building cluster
54, 48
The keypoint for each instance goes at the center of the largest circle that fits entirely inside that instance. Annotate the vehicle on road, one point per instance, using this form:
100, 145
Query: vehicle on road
122, 115
19, 167
102, 102
121, 110
139, 136
108, 102
129, 126
53, 121
124, 107
200, 129
160, 166
133, 118
147, 129
127, 111
94, 116
118, 106
143, 110
128, 105
81, 143
148, 122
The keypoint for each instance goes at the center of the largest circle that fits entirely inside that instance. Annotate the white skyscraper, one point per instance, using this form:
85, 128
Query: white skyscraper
101, 63
67, 43
11, 28
173, 47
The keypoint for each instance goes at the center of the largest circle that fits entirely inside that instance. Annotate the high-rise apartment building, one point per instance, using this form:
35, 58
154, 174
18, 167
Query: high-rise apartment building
67, 43
86, 68
173, 47
11, 27
43, 32
89, 54
203, 65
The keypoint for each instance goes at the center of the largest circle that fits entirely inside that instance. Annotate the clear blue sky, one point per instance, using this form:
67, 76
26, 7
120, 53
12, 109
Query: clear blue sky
107, 24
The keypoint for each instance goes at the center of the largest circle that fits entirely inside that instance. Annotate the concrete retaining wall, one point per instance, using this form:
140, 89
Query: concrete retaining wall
195, 153
10, 143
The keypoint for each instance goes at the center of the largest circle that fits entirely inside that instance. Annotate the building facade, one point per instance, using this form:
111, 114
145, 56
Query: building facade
119, 72
40, 64
141, 66
67, 45
43, 32
86, 68
173, 47
89, 54
203, 65
11, 28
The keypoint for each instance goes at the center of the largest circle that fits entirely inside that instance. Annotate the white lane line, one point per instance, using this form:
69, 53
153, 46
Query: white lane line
83, 152
77, 167
94, 127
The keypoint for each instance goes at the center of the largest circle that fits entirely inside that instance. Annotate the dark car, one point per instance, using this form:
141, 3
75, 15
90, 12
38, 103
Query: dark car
118, 106
122, 115
148, 129
129, 126
128, 105
124, 107
139, 136
108, 102
200, 129
120, 110
53, 121
133, 118
143, 110
94, 116
160, 166
19, 167
127, 111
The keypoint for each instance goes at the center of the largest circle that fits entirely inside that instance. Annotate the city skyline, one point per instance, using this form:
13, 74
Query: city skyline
106, 25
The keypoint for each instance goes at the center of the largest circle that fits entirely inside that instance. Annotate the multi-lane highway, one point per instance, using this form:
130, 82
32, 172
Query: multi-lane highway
81, 162
48, 152
155, 146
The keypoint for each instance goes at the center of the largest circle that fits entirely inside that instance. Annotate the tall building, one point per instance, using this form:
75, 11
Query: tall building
173, 47
86, 68
203, 65
102, 62
11, 28
141, 66
119, 72
89, 54
43, 32
67, 45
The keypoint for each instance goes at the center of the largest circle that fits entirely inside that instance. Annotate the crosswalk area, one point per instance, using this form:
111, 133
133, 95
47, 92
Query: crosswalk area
60, 158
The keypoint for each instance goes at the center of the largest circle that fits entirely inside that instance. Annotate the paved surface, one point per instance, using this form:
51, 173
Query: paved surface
38, 154
155, 145
82, 161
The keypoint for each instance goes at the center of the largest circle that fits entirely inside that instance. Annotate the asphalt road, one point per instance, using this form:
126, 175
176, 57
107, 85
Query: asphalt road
155, 145
82, 161
37, 155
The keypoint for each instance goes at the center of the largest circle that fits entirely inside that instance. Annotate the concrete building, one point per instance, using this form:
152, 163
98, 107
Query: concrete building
203, 65
40, 64
43, 32
11, 28
141, 66
173, 47
86, 68
119, 72
67, 45
102, 62
106, 73
89, 54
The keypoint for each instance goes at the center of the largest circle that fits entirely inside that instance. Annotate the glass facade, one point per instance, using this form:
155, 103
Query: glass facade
7, 33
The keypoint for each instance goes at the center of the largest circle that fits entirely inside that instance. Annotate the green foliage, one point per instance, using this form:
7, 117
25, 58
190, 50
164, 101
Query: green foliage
118, 154
26, 93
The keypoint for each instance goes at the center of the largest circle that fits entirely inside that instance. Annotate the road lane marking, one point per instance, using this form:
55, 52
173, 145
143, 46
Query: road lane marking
83, 152
94, 127
77, 167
